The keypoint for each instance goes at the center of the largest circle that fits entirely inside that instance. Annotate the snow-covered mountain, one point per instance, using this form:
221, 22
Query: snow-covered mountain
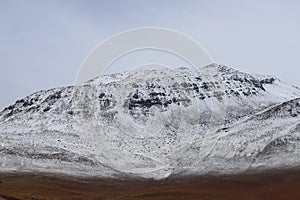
155, 123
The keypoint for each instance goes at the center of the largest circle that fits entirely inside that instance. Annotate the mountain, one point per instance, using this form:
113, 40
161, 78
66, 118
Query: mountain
155, 123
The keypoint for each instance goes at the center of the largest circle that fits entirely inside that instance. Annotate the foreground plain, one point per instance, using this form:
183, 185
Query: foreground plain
270, 185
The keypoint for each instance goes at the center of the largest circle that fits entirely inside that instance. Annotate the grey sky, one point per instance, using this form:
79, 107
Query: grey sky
43, 43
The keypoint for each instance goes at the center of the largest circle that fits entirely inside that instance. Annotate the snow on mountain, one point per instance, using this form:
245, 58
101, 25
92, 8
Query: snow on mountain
155, 123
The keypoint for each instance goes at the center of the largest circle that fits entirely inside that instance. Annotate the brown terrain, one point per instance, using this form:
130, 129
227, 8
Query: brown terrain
271, 185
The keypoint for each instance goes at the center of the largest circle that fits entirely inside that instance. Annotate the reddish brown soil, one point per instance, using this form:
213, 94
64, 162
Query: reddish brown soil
284, 185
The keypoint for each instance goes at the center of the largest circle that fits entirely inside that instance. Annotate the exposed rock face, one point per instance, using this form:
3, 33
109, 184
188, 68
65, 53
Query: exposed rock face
155, 123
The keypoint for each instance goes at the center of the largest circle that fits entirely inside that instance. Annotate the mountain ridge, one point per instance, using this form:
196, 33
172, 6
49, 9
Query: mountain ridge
154, 124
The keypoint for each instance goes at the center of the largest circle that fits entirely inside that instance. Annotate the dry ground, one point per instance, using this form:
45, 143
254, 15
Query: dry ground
275, 185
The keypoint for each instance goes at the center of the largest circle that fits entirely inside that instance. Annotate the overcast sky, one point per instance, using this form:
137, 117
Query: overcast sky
43, 43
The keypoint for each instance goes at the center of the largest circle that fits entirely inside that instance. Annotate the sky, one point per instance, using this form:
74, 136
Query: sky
43, 43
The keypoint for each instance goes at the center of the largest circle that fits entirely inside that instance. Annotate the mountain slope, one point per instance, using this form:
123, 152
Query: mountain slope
155, 123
